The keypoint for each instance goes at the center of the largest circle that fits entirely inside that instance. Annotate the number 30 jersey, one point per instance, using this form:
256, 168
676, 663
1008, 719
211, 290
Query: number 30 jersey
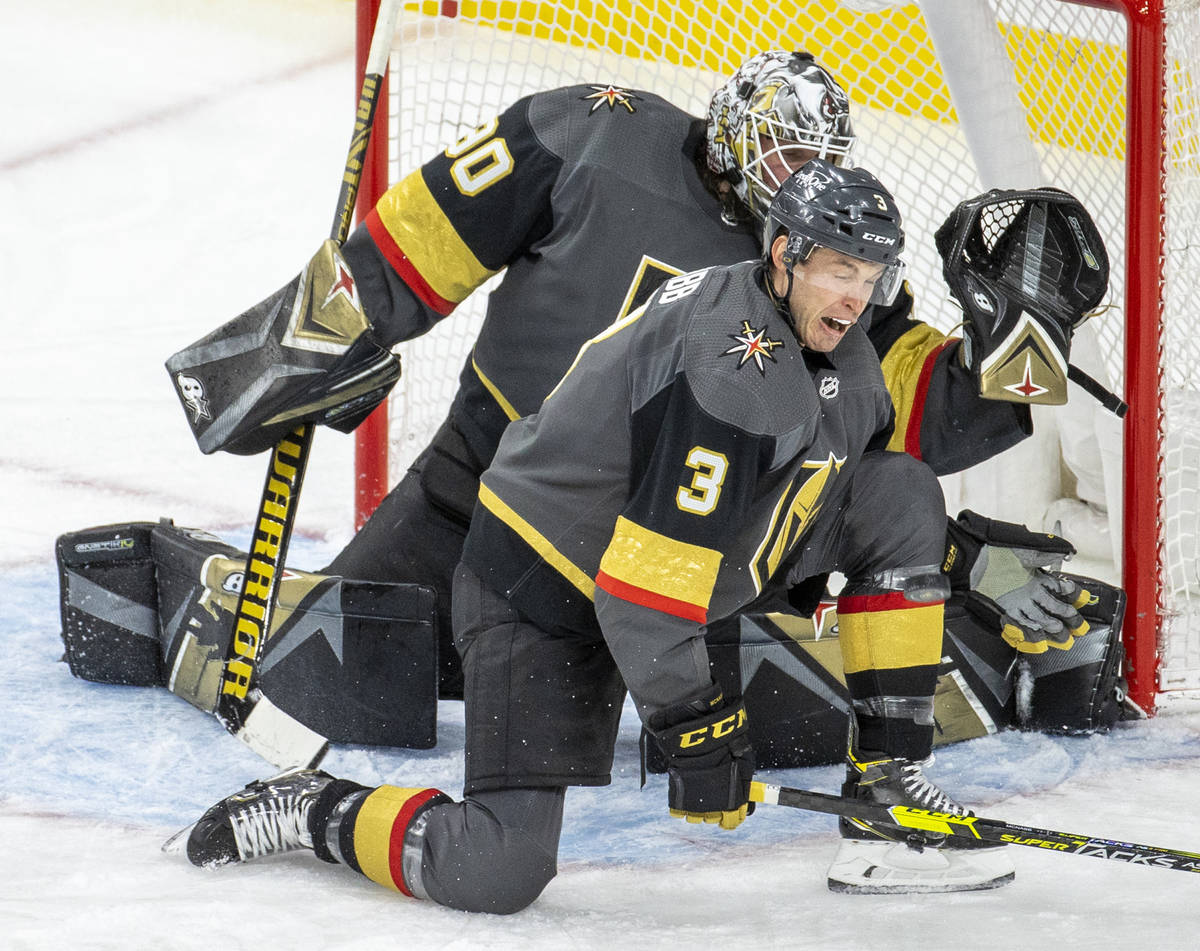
587, 197
686, 453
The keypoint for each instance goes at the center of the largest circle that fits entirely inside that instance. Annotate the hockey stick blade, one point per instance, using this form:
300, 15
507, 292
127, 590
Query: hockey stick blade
977, 827
275, 735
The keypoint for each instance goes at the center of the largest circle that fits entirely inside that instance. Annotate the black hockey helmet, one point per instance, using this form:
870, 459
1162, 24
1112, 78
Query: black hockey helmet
777, 105
844, 209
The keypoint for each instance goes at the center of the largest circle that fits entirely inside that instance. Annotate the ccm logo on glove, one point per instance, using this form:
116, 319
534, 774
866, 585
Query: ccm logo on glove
713, 731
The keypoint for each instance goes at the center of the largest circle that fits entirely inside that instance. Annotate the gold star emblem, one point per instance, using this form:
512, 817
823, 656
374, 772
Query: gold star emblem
611, 96
753, 345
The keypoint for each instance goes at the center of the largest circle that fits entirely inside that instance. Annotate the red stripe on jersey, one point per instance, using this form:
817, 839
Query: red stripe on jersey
912, 436
867, 603
651, 599
399, 827
399, 261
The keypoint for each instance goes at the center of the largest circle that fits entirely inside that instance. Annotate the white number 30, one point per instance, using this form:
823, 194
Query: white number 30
701, 496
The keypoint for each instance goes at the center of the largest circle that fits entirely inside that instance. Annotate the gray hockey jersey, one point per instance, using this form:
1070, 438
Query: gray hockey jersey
588, 197
685, 454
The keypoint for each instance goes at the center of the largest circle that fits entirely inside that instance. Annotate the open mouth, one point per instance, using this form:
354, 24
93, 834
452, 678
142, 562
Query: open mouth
837, 326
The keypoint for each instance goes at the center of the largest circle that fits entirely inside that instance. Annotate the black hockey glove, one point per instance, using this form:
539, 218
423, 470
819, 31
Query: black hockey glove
710, 761
1027, 267
1008, 578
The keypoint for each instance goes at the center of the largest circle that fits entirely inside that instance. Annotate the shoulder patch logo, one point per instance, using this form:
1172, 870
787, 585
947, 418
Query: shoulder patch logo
611, 96
828, 388
753, 345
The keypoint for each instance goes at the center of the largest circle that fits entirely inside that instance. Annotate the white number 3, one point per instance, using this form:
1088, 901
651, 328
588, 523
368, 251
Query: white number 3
701, 496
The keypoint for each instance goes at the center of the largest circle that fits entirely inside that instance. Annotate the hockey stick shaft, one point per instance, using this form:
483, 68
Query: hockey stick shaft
977, 827
283, 740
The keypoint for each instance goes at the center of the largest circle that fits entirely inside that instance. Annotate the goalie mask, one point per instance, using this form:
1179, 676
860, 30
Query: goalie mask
844, 209
1026, 267
778, 110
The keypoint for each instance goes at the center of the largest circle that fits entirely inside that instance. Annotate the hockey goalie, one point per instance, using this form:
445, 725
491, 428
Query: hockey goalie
363, 660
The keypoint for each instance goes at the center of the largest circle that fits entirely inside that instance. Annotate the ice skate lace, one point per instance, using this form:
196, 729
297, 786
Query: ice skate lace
925, 793
267, 828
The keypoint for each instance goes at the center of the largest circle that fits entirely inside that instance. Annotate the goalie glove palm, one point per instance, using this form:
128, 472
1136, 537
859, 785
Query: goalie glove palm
1007, 577
710, 761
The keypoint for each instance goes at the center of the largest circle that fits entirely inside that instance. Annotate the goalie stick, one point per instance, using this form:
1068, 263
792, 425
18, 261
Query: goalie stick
977, 827
273, 734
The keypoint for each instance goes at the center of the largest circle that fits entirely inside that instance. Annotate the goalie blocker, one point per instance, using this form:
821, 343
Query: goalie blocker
148, 604
305, 354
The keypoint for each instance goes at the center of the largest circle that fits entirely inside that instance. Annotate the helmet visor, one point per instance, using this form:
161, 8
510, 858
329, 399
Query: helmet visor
846, 276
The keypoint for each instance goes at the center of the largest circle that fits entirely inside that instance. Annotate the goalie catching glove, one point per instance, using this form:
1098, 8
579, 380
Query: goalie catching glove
710, 761
1008, 577
1027, 267
305, 354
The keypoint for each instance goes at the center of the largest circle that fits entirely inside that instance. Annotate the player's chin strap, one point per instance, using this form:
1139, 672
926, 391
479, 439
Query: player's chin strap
1027, 268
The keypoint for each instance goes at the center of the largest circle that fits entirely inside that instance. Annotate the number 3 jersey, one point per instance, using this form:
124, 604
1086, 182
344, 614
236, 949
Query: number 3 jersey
686, 453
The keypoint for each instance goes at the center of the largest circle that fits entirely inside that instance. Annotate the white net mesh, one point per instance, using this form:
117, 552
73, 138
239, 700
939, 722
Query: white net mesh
1179, 471
1064, 66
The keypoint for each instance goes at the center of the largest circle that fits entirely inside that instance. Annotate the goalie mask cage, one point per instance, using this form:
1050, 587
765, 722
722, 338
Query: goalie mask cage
949, 97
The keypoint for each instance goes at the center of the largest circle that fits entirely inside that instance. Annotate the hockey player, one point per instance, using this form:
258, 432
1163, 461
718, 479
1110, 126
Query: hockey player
719, 439
587, 198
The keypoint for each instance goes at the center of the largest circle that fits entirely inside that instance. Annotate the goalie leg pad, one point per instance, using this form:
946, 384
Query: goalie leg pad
356, 661
108, 604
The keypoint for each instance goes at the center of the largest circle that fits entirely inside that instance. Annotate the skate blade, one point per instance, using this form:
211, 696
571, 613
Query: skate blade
913, 888
175, 845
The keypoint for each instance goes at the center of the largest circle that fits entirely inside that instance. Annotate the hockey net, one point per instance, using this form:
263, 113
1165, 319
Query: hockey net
949, 97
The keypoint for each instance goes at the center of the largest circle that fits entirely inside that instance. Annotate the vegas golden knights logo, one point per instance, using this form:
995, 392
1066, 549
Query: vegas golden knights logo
331, 321
798, 506
1026, 367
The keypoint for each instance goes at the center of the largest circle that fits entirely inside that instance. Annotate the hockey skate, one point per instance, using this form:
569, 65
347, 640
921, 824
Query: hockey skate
267, 817
882, 858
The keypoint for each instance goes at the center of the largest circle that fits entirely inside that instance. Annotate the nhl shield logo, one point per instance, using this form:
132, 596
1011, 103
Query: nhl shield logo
828, 387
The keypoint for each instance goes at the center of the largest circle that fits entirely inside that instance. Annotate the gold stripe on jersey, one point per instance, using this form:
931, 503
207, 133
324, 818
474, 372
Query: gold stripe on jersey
902, 368
379, 829
538, 542
509, 410
427, 238
649, 277
884, 635
659, 567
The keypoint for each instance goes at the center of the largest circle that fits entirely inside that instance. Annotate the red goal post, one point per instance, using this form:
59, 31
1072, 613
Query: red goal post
1105, 98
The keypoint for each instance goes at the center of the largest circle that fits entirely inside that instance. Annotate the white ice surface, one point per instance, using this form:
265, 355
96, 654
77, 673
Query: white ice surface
163, 166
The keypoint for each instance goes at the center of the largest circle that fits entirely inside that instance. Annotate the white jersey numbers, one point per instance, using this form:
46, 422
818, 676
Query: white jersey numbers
700, 498
480, 160
679, 287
